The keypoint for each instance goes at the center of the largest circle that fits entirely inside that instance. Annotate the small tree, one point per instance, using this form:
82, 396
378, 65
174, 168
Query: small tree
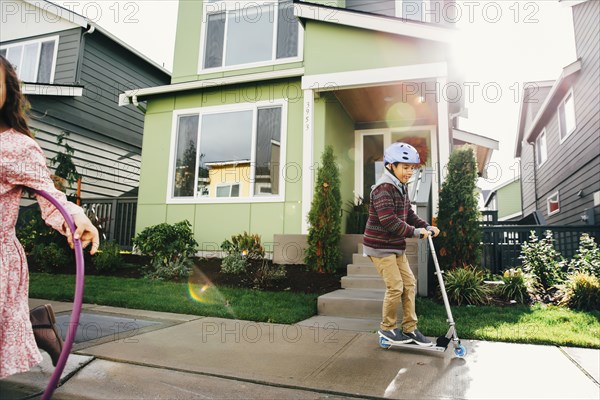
66, 173
458, 217
323, 253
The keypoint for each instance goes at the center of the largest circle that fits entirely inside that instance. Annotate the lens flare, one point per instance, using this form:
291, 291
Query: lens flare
202, 290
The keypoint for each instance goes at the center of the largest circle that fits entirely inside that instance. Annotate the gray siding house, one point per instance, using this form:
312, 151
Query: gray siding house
72, 72
558, 139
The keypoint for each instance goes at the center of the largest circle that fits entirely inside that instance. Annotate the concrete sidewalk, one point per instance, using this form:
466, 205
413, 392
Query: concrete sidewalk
172, 356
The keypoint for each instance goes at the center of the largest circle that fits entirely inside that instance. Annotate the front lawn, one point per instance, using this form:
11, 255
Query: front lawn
522, 324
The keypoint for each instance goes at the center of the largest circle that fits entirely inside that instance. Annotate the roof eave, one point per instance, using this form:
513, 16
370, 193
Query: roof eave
374, 22
556, 92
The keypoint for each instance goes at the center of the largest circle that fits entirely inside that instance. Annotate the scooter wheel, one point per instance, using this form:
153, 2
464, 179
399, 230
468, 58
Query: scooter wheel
384, 343
460, 351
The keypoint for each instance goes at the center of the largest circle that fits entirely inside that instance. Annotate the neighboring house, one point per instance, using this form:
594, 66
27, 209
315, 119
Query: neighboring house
505, 199
259, 90
558, 138
73, 72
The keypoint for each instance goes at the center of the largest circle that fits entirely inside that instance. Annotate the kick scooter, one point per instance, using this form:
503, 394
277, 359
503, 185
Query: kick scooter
442, 341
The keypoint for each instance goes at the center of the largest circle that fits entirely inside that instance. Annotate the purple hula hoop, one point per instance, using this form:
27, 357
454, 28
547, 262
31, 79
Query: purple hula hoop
77, 302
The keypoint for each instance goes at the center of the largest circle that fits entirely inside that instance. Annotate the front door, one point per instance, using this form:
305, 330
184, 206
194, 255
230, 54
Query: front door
370, 144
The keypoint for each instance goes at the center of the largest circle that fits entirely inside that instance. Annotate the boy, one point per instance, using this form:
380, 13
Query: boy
391, 220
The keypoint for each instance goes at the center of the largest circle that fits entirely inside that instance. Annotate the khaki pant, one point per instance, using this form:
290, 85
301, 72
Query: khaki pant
400, 286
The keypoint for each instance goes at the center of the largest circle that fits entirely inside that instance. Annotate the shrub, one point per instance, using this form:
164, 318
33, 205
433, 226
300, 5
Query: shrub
458, 217
241, 249
544, 263
245, 244
234, 263
108, 258
581, 292
49, 257
323, 252
266, 273
465, 286
514, 287
587, 258
170, 248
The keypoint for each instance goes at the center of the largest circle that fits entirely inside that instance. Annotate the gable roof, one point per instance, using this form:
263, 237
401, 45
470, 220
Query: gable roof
375, 22
49, 7
548, 107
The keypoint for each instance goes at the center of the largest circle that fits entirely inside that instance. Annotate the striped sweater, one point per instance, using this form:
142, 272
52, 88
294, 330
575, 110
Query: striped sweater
391, 218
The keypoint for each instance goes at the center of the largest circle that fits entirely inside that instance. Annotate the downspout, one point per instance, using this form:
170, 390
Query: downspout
90, 30
535, 194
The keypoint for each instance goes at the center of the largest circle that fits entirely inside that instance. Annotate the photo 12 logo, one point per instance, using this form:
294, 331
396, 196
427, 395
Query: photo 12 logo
93, 11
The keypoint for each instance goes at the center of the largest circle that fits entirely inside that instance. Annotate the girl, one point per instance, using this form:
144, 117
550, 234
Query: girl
23, 164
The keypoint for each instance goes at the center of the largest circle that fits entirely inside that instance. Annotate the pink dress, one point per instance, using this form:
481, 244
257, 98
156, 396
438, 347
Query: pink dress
22, 163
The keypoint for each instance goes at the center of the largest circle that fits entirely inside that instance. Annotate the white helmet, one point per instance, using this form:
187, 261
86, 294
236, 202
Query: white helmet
400, 152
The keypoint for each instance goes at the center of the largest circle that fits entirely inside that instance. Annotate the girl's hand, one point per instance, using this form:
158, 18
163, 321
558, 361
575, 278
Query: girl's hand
86, 232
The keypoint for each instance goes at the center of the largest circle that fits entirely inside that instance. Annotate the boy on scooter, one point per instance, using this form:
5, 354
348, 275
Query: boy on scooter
392, 220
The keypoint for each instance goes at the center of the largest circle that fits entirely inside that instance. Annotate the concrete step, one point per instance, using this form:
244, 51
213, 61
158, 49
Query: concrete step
359, 259
361, 269
353, 303
363, 282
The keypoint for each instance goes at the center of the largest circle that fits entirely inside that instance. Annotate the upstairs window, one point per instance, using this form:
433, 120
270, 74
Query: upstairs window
34, 61
249, 33
566, 116
541, 152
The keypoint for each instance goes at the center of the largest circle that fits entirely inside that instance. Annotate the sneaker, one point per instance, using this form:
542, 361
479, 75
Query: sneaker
418, 338
395, 336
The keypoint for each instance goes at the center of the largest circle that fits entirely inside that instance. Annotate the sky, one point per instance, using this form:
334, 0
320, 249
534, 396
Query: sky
500, 45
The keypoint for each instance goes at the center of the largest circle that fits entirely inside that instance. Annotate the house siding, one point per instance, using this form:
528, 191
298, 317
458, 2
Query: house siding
508, 199
332, 48
573, 165
108, 144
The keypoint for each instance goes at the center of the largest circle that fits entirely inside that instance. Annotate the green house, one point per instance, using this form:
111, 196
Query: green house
259, 89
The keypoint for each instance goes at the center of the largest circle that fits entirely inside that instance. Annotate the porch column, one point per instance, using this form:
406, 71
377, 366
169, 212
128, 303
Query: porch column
444, 140
307, 156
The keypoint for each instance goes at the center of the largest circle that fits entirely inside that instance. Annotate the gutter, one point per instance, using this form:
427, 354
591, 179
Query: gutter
127, 97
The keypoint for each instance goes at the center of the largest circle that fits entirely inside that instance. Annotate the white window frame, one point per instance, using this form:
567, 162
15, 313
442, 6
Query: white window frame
561, 134
39, 41
426, 12
229, 6
543, 135
548, 199
253, 198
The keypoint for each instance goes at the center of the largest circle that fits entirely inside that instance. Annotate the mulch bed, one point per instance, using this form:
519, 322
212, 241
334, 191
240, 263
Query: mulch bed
297, 277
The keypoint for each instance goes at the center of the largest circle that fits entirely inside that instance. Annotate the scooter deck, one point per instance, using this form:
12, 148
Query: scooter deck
413, 346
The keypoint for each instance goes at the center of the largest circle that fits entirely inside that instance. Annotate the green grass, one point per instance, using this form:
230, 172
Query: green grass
537, 324
246, 304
